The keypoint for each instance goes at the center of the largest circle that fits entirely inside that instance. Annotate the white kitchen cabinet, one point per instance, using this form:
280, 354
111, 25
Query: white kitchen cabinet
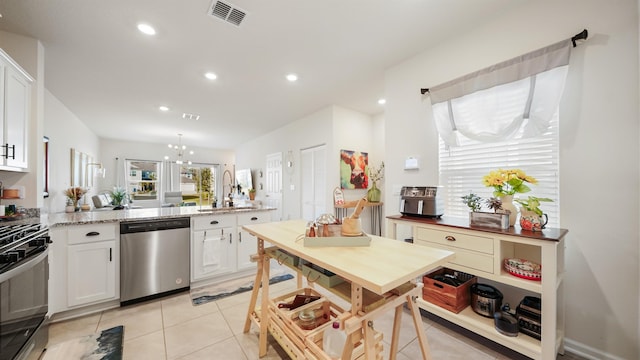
482, 252
247, 243
84, 266
15, 112
220, 249
91, 272
212, 246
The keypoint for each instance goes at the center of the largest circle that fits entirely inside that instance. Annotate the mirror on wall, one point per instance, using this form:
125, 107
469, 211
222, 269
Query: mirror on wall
243, 181
79, 168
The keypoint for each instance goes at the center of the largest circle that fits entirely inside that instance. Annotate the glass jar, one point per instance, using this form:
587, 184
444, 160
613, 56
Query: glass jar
307, 319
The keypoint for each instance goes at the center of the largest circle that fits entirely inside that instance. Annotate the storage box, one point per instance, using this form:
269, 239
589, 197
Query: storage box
322, 277
284, 258
489, 220
452, 298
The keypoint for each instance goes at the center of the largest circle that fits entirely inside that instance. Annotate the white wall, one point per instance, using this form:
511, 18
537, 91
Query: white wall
65, 131
599, 150
337, 127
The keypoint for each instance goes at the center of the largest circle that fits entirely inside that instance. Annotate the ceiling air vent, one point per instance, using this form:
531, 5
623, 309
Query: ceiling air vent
227, 12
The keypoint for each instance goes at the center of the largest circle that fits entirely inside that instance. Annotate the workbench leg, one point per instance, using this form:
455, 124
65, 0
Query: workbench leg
347, 351
417, 322
254, 296
395, 335
369, 340
264, 308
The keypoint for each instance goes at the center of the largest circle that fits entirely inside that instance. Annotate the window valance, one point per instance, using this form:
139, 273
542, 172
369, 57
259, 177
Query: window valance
510, 100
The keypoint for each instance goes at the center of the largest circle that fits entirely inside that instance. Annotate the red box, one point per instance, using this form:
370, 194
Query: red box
452, 298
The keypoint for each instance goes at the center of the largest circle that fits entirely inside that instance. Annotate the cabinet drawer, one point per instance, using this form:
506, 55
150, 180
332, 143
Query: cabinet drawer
253, 218
212, 222
91, 233
456, 240
466, 258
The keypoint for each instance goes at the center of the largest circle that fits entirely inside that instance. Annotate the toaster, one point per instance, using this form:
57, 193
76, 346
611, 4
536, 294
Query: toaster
485, 299
421, 201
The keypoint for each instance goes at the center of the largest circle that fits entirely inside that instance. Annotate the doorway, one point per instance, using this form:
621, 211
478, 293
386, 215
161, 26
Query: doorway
314, 182
273, 185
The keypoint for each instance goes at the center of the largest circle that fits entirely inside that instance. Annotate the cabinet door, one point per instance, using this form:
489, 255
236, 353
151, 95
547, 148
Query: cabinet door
91, 274
247, 246
17, 110
212, 253
247, 243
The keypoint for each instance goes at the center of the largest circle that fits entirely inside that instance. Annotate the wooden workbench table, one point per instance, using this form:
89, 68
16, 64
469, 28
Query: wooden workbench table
379, 268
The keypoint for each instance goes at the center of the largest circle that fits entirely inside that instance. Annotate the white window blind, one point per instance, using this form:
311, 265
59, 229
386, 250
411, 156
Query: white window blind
462, 168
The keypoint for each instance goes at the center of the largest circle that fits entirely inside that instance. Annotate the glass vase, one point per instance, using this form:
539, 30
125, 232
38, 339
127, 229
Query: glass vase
373, 195
507, 204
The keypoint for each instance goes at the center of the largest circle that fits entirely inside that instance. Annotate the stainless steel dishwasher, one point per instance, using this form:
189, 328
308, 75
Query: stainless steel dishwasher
154, 258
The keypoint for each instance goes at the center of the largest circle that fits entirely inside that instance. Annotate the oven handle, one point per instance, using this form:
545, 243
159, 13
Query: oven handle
28, 265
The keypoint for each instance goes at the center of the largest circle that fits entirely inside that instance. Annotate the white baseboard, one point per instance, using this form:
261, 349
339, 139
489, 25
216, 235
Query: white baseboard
587, 352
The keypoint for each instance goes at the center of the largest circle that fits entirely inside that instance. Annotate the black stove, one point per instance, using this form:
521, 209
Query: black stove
24, 276
19, 243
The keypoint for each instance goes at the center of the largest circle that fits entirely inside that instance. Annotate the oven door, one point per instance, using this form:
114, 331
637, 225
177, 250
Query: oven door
23, 308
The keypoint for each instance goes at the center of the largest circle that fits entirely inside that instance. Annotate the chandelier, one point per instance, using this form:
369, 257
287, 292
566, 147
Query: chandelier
180, 152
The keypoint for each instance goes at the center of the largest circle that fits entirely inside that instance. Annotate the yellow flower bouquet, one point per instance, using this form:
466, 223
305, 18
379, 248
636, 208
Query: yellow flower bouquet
508, 182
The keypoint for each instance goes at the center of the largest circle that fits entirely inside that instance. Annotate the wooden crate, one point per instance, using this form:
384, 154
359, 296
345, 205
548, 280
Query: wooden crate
452, 298
326, 312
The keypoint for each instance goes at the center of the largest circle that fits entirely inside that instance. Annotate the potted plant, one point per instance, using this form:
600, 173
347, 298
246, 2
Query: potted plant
499, 220
74, 194
252, 194
118, 194
531, 216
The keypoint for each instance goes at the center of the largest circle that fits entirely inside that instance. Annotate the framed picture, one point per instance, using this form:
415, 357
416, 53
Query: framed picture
354, 169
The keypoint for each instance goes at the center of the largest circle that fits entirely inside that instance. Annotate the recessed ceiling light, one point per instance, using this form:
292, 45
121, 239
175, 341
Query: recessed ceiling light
292, 77
210, 76
146, 29
163, 108
382, 101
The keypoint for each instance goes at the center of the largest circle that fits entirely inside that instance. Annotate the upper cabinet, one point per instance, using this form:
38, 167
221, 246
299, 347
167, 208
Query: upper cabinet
15, 112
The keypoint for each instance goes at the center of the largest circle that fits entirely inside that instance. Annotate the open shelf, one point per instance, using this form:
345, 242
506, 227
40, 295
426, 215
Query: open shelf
483, 326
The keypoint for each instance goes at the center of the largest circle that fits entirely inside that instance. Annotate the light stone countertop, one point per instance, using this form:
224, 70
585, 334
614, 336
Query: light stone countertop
102, 216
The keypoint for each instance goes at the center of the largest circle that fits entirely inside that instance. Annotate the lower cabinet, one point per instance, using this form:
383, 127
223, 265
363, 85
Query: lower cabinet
91, 272
84, 266
247, 243
212, 253
219, 246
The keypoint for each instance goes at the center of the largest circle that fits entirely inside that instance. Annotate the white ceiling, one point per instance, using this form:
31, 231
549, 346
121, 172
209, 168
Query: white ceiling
114, 78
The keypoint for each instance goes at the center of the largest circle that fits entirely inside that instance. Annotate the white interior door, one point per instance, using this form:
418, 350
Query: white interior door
314, 182
273, 185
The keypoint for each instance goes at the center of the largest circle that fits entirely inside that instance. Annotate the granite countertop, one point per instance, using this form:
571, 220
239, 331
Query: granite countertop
100, 216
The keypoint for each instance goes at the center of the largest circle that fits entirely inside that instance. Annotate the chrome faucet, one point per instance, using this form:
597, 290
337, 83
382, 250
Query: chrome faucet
231, 186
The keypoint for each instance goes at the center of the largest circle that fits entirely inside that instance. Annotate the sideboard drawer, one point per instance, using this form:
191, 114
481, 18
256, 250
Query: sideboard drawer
468, 259
456, 240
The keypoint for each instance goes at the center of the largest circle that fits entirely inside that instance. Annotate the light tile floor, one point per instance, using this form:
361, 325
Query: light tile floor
172, 328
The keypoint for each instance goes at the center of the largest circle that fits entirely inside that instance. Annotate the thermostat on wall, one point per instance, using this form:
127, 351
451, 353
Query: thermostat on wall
411, 163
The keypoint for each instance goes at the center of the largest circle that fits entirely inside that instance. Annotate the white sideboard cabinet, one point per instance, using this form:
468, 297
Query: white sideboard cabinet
481, 252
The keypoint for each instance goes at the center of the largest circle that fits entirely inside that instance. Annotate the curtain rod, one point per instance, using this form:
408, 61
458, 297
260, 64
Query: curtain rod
579, 36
